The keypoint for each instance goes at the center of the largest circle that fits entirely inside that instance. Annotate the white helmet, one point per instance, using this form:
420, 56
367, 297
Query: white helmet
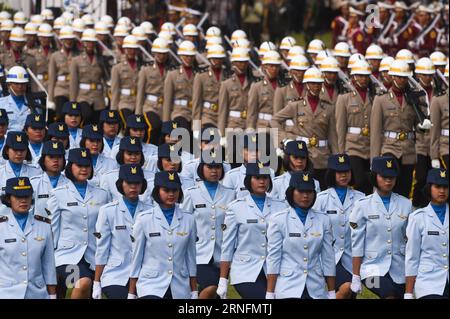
88, 19
31, 28
108, 20
386, 63
299, 62
271, 57
17, 35
20, 18
66, 33
17, 74
405, 55
322, 55
313, 75
120, 30
5, 15
240, 55
101, 28
130, 42
241, 43
438, 58
213, 32
287, 43
37, 19
79, 25
361, 67
125, 21
425, 66
59, 23
216, 52
147, 27
187, 48
45, 30
166, 35
139, 33
7, 25
329, 64
266, 46
446, 71
374, 52
238, 35
315, 46
47, 14
353, 58
89, 35
169, 27
67, 16
213, 41
160, 45
190, 30
342, 49
400, 68
294, 51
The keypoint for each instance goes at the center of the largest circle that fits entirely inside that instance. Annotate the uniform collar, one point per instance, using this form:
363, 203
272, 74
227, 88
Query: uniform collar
309, 219
177, 215
16, 228
432, 214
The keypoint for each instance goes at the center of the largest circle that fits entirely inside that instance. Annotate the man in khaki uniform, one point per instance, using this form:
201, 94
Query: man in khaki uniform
392, 123
5, 31
291, 91
314, 123
262, 91
178, 88
87, 79
150, 93
352, 125
330, 90
205, 96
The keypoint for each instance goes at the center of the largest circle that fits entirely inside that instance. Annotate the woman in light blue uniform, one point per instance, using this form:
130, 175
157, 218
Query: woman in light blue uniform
52, 163
74, 208
58, 132
208, 200
337, 201
35, 130
300, 260
114, 228
3, 130
427, 247
163, 263
110, 124
378, 223
27, 263
72, 116
244, 245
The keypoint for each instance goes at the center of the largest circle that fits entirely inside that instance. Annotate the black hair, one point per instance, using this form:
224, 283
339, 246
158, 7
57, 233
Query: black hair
426, 191
160, 166
248, 183
156, 198
146, 137
200, 171
373, 179
119, 157
290, 197
119, 186
330, 178
68, 172
287, 161
5, 155
120, 125
5, 199
83, 143
42, 159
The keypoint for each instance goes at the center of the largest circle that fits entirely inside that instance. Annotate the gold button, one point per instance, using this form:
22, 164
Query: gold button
170, 258
24, 254
170, 245
23, 240
342, 236
85, 243
305, 247
170, 272
305, 271
83, 205
389, 229
24, 267
305, 259
213, 237
389, 241
262, 257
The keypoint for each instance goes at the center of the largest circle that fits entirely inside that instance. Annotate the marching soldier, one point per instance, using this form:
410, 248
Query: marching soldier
5, 32
314, 47
35, 130
355, 35
374, 55
31, 33
425, 40
340, 24
110, 125
341, 53
72, 117
330, 89
385, 65
43, 52
405, 27
58, 132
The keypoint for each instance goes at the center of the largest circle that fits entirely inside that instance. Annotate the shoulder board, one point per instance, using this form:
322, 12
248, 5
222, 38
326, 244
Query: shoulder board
365, 198
3, 219
325, 102
43, 219
113, 203
202, 69
283, 84
237, 200
418, 212
297, 99
258, 79
281, 213
192, 187
381, 92
35, 177
60, 187
173, 67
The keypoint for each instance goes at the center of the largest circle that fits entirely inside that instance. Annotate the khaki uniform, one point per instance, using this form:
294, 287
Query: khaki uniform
58, 74
423, 139
124, 80
260, 103
87, 81
205, 96
233, 98
317, 129
178, 95
391, 128
324, 95
439, 131
42, 63
8, 60
150, 93
352, 124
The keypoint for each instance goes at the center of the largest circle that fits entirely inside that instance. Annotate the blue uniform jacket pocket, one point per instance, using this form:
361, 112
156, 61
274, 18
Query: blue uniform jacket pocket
242, 258
65, 244
149, 273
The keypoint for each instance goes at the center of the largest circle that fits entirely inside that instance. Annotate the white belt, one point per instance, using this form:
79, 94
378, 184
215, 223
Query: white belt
40, 77
396, 135
209, 105
265, 116
354, 130
127, 92
90, 87
152, 98
61, 78
289, 123
235, 114
319, 143
183, 103
444, 132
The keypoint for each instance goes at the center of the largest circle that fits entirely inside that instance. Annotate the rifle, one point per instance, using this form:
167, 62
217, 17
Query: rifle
381, 38
402, 28
414, 94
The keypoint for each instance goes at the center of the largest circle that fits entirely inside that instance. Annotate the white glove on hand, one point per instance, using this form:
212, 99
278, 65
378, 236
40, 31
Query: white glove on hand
436, 163
51, 105
222, 288
426, 125
280, 152
332, 294
131, 296
223, 141
52, 296
270, 295
194, 294
356, 284
97, 290
408, 296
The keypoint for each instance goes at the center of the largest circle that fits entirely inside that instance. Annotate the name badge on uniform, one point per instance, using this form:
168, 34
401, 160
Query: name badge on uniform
316, 234
43, 196
3, 188
300, 114
182, 233
154, 235
200, 206
39, 238
374, 216
252, 221
295, 235
331, 212
121, 227
72, 204
433, 233
403, 217
10, 240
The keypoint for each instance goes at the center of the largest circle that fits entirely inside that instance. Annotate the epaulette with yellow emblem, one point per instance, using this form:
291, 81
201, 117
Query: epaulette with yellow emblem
3, 219
202, 69
258, 79
43, 219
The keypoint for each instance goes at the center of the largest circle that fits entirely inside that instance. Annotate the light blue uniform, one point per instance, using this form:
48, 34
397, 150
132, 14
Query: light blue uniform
107, 151
189, 171
379, 236
75, 142
244, 237
281, 184
73, 222
328, 202
16, 117
41, 192
114, 241
301, 255
6, 172
235, 179
209, 216
427, 251
164, 255
149, 151
35, 156
104, 165
27, 262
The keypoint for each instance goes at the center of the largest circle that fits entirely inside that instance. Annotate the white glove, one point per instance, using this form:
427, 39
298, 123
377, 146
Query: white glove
408, 296
270, 295
51, 105
196, 135
131, 296
436, 163
332, 294
356, 284
97, 290
280, 152
194, 294
223, 141
52, 296
426, 125
222, 288
106, 101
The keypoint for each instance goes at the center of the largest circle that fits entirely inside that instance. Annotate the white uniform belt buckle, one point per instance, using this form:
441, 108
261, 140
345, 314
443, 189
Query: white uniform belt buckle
364, 131
313, 141
401, 136
90, 87
128, 92
62, 78
445, 132
265, 116
289, 123
42, 77
212, 106
154, 98
183, 103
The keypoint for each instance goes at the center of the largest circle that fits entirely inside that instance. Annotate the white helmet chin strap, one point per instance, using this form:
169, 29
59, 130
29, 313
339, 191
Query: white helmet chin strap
310, 91
424, 84
395, 83
12, 90
296, 79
